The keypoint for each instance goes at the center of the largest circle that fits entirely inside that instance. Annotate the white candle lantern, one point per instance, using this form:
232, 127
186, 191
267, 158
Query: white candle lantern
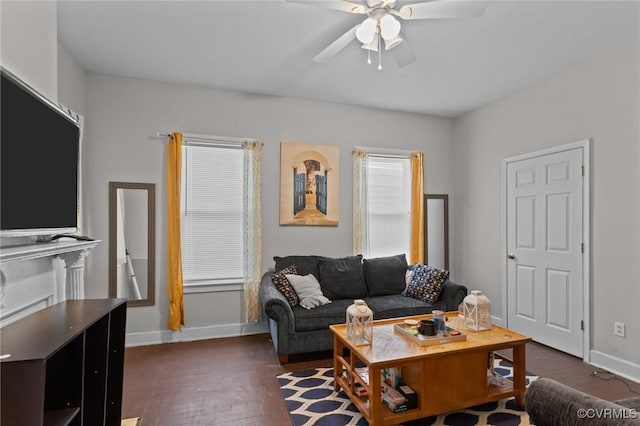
359, 323
477, 311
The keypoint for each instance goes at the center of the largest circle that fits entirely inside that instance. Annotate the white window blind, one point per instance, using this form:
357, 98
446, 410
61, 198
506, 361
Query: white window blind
388, 189
212, 214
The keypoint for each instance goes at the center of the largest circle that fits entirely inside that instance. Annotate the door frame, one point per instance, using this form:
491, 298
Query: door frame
585, 144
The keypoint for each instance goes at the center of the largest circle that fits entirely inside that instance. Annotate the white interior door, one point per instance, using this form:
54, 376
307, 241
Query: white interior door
544, 241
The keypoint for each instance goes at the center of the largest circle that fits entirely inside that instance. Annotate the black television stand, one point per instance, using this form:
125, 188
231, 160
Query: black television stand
63, 365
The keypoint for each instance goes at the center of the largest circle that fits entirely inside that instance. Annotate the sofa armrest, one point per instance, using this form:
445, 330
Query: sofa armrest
452, 295
632, 402
550, 403
274, 304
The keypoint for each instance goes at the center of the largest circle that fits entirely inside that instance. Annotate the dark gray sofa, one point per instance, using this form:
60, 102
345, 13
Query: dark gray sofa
550, 403
295, 330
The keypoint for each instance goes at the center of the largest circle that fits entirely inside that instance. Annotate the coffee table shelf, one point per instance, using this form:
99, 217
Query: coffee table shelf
446, 377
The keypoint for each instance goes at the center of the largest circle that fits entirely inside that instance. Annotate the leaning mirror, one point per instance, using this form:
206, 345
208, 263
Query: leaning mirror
436, 230
132, 242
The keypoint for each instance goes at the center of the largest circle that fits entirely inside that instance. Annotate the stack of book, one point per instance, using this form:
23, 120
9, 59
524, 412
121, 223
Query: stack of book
393, 399
363, 372
397, 400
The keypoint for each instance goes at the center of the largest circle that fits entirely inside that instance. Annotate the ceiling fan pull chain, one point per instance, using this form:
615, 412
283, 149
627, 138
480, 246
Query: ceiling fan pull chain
379, 53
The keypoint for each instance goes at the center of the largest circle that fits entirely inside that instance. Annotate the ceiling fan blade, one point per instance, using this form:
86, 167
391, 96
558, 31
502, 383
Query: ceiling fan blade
443, 9
345, 6
403, 54
337, 45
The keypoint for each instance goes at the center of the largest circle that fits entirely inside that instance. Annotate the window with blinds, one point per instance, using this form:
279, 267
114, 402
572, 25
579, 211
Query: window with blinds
212, 214
388, 189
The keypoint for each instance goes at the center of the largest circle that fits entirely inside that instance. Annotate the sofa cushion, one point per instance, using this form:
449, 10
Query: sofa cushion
385, 275
342, 278
322, 317
426, 283
304, 264
283, 285
308, 289
395, 305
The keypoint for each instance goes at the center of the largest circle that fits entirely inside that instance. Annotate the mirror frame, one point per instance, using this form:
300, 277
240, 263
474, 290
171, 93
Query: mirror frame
151, 239
445, 206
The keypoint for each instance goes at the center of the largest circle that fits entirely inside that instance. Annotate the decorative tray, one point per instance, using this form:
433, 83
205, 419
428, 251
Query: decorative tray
410, 331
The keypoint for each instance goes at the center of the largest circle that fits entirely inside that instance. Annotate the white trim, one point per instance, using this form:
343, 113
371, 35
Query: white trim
210, 138
194, 333
212, 143
192, 282
586, 241
25, 309
620, 367
50, 248
384, 151
210, 287
584, 144
503, 244
38, 232
205, 138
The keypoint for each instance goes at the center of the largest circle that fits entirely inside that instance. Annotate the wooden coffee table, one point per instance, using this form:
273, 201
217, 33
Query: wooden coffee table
446, 377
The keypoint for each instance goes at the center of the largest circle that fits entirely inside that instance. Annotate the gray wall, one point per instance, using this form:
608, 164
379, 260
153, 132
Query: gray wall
123, 114
28, 46
30, 55
597, 99
72, 82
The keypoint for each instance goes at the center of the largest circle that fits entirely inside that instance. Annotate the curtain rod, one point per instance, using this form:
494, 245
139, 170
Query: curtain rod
384, 151
207, 137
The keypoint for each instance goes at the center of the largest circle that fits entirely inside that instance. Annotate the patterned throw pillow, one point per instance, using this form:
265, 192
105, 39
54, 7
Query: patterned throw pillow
426, 283
284, 286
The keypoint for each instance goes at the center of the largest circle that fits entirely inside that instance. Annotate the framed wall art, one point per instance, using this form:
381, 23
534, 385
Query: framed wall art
309, 184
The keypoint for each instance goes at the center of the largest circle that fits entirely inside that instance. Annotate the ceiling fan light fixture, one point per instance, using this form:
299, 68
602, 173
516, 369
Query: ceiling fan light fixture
371, 46
383, 22
389, 27
390, 44
366, 31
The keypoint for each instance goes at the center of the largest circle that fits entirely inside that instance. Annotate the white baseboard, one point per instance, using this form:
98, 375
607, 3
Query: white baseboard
620, 367
194, 333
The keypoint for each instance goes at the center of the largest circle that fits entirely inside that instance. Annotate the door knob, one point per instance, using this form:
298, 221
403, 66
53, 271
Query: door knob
511, 256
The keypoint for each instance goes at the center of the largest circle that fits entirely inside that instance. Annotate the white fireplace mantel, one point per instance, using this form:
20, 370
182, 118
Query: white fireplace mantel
28, 275
52, 248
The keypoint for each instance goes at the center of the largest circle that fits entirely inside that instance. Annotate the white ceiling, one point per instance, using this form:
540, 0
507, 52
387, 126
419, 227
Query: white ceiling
266, 47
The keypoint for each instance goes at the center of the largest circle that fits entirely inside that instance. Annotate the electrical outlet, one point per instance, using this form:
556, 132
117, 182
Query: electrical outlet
619, 329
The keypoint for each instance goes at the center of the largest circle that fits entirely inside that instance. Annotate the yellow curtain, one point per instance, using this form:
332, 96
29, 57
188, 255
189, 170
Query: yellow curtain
417, 209
174, 252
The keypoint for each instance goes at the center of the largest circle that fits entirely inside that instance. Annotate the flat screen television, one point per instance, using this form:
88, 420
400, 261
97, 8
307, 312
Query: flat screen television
39, 152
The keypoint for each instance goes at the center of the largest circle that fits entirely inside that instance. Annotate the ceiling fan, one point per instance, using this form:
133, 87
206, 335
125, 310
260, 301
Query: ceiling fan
381, 26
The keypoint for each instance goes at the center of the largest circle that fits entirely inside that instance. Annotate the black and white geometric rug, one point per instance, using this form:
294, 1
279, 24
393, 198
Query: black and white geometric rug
310, 398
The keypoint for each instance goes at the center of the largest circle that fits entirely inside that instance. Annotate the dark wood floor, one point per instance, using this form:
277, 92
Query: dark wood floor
231, 381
